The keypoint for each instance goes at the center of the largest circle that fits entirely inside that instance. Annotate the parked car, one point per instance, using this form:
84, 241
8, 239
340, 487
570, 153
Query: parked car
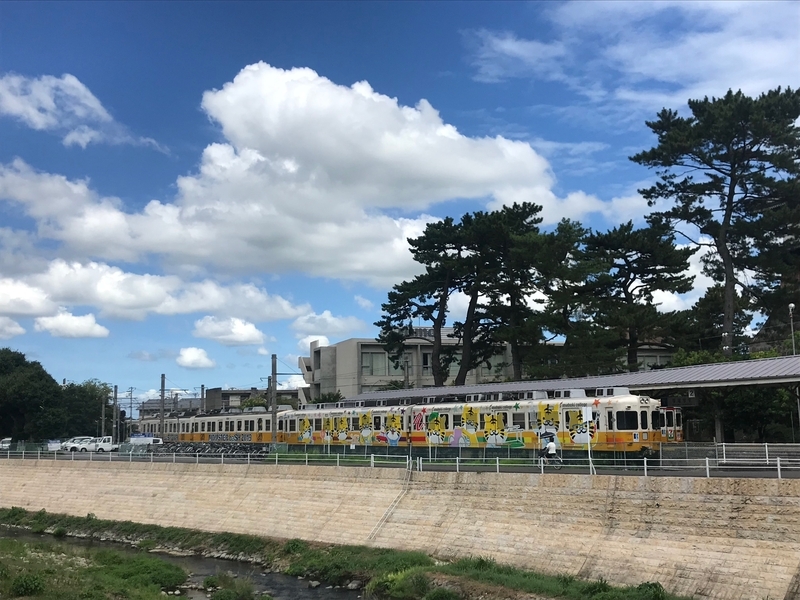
74, 444
100, 444
5, 444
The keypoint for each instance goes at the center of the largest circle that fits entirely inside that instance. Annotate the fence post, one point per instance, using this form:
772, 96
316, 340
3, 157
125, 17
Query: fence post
645, 466
91, 454
109, 457
456, 464
766, 452
778, 462
337, 459
541, 465
248, 458
222, 458
724, 454
173, 458
306, 458
151, 456
130, 456
197, 458
497, 459
276, 459
38, 455
55, 454
372, 460
708, 473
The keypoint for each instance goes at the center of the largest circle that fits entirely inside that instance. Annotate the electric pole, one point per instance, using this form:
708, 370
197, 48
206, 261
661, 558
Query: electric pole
115, 419
163, 383
273, 391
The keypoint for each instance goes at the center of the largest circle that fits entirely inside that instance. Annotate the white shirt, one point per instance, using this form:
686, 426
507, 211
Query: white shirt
551, 447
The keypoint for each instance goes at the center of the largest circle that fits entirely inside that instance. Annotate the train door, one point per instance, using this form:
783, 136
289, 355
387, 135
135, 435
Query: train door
671, 423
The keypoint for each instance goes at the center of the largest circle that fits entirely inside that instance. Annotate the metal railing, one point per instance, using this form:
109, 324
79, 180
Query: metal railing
722, 460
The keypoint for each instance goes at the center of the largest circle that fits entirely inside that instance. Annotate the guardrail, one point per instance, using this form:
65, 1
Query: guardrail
761, 467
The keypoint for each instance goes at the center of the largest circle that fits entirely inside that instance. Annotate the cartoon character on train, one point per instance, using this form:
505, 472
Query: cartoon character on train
467, 434
306, 432
393, 429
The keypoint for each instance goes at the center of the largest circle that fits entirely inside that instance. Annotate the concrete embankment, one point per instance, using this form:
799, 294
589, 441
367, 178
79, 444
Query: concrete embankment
709, 538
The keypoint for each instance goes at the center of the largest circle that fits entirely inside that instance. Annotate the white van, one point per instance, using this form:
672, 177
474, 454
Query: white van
5, 444
145, 441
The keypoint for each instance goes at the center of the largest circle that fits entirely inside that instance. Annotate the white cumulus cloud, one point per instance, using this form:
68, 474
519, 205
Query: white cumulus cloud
363, 302
326, 324
9, 328
67, 325
194, 358
304, 343
63, 105
229, 332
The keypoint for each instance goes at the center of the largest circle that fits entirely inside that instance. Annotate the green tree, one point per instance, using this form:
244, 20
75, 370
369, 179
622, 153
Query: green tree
639, 262
30, 399
730, 170
82, 408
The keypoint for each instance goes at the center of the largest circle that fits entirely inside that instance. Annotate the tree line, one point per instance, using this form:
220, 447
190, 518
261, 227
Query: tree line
33, 406
726, 182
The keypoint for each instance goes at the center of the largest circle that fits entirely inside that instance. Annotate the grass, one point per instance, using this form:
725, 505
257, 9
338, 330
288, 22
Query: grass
57, 571
396, 574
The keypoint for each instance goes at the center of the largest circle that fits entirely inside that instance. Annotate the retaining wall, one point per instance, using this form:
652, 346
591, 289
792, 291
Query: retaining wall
709, 538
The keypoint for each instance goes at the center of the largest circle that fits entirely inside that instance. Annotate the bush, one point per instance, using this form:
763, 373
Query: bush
59, 532
212, 581
594, 588
224, 595
652, 590
442, 594
27, 584
295, 546
4, 574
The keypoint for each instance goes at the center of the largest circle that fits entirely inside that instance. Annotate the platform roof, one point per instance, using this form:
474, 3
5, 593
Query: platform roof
784, 370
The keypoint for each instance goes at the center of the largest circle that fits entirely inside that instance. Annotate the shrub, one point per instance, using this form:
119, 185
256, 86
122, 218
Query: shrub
27, 584
295, 546
212, 581
593, 588
59, 532
224, 595
4, 574
652, 591
146, 545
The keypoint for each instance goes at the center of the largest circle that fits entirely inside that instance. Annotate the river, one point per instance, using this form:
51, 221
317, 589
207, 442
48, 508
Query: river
277, 585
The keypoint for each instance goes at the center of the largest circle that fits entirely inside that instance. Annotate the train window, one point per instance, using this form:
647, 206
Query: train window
252, 425
376, 423
483, 421
246, 426
644, 419
670, 418
456, 421
267, 425
238, 425
260, 424
518, 420
567, 394
626, 420
677, 419
354, 424
292, 425
317, 424
610, 392
610, 418
203, 426
656, 419
280, 424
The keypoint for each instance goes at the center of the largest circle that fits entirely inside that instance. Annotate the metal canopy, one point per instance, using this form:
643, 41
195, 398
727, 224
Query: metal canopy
764, 371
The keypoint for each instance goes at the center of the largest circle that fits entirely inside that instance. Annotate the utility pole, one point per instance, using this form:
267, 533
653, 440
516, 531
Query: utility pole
405, 373
273, 391
130, 411
115, 419
163, 383
203, 396
103, 416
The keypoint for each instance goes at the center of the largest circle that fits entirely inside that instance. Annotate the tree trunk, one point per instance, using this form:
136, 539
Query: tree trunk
727, 265
466, 340
439, 374
633, 349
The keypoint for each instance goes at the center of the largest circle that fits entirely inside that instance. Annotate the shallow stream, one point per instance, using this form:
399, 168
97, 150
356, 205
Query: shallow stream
277, 585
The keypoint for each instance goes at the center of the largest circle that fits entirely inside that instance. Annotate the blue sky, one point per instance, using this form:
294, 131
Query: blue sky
187, 188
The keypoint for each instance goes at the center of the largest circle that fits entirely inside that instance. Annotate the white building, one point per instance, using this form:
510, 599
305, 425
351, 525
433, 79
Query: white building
362, 365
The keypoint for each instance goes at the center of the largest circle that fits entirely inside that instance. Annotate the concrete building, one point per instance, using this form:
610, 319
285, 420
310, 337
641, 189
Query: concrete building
360, 365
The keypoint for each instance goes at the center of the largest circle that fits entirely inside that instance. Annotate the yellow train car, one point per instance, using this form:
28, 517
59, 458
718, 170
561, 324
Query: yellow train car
612, 419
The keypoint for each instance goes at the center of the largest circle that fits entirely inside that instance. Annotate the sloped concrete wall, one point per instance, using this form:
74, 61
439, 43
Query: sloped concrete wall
709, 538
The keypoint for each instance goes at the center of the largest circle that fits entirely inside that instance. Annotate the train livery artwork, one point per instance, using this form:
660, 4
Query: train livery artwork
610, 419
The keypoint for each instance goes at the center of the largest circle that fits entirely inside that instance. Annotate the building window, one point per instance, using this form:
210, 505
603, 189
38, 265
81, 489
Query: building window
405, 361
426, 363
374, 364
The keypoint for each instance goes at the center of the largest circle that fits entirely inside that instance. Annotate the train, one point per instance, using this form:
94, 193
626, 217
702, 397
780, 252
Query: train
608, 419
